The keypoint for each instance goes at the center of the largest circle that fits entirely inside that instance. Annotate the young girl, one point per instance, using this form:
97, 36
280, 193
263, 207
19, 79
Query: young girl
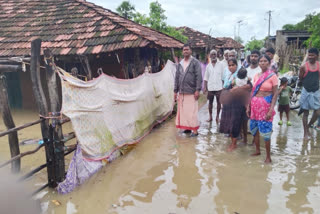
284, 99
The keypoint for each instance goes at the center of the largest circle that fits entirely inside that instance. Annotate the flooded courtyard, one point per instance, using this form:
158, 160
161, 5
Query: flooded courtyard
168, 172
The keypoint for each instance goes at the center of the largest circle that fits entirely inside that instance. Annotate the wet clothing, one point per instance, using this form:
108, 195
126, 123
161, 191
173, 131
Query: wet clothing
311, 78
188, 77
284, 96
187, 114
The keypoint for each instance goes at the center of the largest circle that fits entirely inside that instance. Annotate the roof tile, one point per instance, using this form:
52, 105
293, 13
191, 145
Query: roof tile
70, 27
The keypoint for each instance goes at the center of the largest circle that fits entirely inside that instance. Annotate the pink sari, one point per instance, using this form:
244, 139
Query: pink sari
261, 105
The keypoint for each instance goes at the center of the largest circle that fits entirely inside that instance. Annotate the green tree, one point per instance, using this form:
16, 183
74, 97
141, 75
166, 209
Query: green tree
254, 44
127, 10
314, 29
310, 23
305, 24
157, 20
288, 27
141, 19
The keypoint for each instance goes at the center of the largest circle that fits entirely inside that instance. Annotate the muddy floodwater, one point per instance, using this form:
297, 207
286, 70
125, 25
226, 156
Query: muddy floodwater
168, 172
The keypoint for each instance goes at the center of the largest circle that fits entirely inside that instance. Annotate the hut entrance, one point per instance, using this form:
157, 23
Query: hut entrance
14, 89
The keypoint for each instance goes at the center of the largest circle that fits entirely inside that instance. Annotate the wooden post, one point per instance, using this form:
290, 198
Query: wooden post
43, 108
173, 56
86, 60
9, 123
138, 67
55, 111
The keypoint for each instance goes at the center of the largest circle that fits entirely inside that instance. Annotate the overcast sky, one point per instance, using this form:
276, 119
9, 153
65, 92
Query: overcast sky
222, 16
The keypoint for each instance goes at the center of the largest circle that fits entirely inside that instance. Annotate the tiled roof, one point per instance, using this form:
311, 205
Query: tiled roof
229, 43
199, 40
71, 27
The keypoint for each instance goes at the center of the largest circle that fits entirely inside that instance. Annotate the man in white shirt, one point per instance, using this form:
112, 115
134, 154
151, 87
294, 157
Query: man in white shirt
213, 83
254, 67
225, 60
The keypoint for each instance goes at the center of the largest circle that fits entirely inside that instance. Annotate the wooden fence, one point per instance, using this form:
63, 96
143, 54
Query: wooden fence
50, 122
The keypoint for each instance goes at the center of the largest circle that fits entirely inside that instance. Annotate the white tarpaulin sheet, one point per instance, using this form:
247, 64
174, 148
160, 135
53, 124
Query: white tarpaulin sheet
108, 113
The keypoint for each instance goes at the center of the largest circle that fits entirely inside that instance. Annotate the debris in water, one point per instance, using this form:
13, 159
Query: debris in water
56, 202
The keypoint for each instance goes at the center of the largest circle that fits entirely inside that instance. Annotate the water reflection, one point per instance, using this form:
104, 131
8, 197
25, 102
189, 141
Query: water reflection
186, 176
171, 173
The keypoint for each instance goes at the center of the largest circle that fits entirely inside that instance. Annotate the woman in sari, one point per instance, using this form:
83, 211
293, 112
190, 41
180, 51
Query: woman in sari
261, 109
234, 103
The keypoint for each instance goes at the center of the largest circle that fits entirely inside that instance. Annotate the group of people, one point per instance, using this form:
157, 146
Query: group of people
246, 95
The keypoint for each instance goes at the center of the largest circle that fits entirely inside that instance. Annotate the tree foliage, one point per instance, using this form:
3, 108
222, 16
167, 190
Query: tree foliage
314, 39
254, 44
127, 10
310, 23
156, 20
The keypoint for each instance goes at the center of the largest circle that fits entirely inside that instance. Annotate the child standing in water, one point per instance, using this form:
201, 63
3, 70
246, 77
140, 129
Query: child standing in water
284, 99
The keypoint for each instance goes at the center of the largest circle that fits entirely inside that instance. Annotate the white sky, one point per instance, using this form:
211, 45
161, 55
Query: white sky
221, 16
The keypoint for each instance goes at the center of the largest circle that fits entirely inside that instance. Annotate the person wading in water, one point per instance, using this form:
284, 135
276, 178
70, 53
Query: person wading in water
310, 95
187, 86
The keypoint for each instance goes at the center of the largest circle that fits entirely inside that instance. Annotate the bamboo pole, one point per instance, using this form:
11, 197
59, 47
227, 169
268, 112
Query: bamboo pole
9, 123
42, 107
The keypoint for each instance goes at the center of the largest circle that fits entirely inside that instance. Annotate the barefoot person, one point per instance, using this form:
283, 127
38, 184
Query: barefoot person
188, 83
310, 95
234, 105
213, 83
261, 109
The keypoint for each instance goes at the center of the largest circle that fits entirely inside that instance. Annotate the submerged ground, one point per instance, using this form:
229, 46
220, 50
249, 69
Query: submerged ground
169, 172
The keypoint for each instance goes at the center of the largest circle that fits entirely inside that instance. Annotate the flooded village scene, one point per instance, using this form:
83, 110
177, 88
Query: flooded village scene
159, 107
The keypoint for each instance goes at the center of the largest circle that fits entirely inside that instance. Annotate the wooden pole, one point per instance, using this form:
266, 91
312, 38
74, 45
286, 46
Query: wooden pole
173, 55
55, 111
86, 60
43, 108
9, 123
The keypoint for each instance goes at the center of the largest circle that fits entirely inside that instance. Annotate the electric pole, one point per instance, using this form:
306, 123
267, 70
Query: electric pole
269, 12
239, 24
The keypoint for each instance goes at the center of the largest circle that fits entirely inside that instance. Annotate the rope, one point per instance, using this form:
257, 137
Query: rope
52, 115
